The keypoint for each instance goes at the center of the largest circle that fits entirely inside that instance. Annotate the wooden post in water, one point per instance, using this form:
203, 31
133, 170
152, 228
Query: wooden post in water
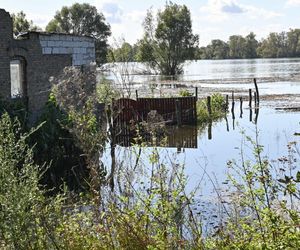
227, 124
136, 94
232, 107
210, 130
232, 110
178, 112
255, 100
256, 115
256, 90
241, 107
227, 103
250, 98
209, 105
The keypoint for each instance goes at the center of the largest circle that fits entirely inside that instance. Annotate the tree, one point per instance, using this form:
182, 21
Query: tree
251, 45
293, 42
168, 42
122, 52
83, 19
274, 46
236, 47
21, 24
219, 49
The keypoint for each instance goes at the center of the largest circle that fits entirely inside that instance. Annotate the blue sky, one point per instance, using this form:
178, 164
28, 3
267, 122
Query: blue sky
211, 18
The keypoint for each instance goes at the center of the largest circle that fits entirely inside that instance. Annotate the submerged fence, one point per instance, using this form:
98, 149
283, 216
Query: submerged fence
175, 110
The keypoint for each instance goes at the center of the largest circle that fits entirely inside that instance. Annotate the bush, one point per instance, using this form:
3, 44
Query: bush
22, 208
185, 93
218, 108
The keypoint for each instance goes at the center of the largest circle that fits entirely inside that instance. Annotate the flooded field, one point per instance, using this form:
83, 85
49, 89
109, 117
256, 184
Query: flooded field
206, 150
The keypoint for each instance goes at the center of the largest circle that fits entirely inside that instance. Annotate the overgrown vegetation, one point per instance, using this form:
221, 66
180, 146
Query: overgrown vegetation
218, 109
149, 210
149, 207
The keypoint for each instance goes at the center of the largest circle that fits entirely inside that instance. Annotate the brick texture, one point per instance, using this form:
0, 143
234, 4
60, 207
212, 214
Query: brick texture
45, 55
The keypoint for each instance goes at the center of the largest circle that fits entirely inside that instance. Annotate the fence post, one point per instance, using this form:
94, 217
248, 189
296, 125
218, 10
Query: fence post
227, 103
178, 112
241, 107
232, 107
209, 105
136, 94
250, 98
256, 89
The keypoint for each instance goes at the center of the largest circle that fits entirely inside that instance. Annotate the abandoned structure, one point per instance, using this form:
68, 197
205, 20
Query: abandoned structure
27, 63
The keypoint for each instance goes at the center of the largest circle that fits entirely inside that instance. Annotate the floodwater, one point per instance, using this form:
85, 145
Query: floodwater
243, 68
206, 151
217, 70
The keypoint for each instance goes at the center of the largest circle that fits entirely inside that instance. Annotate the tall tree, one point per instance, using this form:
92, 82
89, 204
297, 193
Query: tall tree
236, 47
219, 49
293, 42
22, 24
275, 45
83, 19
251, 45
170, 41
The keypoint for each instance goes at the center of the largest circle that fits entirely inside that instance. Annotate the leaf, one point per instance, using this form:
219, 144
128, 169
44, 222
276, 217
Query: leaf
298, 176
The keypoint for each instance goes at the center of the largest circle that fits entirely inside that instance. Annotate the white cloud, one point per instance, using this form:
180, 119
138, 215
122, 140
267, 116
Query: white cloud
39, 19
111, 10
256, 13
130, 28
292, 3
220, 10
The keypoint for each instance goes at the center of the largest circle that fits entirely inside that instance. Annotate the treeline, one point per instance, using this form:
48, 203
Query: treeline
276, 45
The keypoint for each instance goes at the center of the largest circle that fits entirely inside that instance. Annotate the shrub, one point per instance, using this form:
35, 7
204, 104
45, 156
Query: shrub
217, 107
185, 92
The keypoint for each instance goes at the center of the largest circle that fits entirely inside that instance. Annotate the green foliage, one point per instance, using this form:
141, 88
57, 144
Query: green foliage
21, 24
83, 19
151, 209
122, 52
263, 209
23, 204
185, 92
105, 92
236, 48
276, 45
217, 107
54, 145
170, 41
16, 108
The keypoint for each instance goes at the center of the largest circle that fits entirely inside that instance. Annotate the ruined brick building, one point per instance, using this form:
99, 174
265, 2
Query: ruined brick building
27, 63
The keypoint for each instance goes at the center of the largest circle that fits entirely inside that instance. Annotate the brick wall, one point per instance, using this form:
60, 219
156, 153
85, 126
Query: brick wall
6, 35
82, 49
45, 55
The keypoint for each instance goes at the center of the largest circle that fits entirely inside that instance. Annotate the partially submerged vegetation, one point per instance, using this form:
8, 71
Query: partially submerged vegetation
218, 109
149, 208
148, 211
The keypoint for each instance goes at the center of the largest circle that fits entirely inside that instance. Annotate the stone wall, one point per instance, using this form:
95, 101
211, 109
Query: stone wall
44, 55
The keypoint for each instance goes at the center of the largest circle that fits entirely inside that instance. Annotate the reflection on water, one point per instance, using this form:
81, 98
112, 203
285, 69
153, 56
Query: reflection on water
210, 148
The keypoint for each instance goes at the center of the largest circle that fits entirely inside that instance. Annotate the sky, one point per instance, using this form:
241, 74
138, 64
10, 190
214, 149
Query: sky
211, 19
